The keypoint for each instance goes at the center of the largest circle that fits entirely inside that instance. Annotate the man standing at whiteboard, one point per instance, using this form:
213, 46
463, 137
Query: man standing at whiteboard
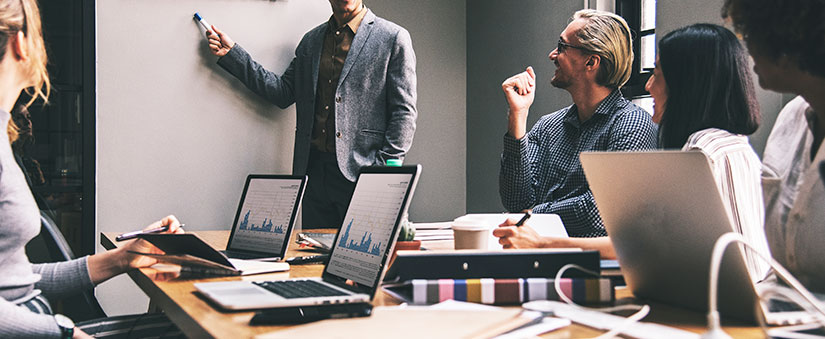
354, 86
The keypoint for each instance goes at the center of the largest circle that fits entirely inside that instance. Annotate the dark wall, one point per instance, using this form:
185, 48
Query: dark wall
502, 41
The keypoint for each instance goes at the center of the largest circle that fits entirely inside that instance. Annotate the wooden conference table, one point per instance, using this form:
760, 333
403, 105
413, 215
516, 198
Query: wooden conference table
199, 319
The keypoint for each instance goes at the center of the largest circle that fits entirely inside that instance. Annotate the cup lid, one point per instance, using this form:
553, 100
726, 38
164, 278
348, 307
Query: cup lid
478, 222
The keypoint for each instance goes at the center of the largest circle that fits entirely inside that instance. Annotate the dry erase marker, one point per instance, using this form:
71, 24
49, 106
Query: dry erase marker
132, 235
203, 22
523, 219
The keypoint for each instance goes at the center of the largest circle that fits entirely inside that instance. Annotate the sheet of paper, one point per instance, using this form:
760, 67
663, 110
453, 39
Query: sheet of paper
546, 325
433, 225
430, 235
413, 322
256, 267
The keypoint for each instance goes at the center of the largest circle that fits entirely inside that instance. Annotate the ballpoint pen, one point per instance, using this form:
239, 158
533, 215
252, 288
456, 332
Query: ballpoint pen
132, 235
523, 219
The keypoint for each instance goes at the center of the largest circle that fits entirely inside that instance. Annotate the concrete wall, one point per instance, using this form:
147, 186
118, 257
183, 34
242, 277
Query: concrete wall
177, 134
502, 41
438, 30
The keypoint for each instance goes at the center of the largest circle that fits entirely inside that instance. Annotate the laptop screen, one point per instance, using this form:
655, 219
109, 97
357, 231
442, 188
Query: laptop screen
266, 214
370, 227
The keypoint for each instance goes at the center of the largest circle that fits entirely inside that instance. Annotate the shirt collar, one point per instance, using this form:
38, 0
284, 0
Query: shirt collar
604, 108
352, 24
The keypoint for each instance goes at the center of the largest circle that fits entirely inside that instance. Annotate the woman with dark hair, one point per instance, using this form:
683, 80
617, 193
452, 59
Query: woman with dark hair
702, 61
703, 100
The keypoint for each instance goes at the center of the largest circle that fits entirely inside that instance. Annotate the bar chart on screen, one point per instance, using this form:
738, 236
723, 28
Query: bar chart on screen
363, 246
368, 226
266, 212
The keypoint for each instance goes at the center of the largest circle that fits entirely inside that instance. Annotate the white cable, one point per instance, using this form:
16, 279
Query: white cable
563, 297
641, 311
632, 319
557, 280
716, 261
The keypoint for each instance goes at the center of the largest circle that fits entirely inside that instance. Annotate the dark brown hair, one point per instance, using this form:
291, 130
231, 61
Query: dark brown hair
792, 28
708, 83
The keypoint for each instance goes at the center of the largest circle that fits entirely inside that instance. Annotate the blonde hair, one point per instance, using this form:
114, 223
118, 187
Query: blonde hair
608, 36
24, 16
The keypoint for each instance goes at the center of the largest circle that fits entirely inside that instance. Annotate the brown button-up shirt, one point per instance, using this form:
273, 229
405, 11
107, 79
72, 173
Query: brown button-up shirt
337, 42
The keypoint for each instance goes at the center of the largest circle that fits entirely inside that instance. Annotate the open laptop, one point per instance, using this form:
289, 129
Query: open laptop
663, 213
265, 217
358, 257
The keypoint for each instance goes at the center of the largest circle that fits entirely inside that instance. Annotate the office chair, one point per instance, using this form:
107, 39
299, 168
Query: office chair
51, 246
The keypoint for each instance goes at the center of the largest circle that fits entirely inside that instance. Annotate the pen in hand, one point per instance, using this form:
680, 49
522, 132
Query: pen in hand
523, 219
132, 235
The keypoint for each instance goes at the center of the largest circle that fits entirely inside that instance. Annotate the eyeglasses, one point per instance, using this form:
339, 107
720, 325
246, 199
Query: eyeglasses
562, 46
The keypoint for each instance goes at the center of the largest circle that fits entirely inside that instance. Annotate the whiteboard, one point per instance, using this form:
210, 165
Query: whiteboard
176, 133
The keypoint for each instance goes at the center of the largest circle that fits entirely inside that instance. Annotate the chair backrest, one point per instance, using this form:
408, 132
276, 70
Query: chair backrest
51, 246
56, 244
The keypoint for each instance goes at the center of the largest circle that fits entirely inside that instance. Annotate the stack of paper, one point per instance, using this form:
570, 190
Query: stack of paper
433, 231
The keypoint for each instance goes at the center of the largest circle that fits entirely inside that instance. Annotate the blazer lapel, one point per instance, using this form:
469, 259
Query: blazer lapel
357, 44
315, 54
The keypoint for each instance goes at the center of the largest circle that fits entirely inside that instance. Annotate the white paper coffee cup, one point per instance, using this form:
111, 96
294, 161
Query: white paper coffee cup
473, 232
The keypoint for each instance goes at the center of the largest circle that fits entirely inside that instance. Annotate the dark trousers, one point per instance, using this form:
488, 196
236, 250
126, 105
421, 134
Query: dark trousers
327, 194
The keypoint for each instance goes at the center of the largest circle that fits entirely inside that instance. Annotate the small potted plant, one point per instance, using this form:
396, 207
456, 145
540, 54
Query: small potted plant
406, 239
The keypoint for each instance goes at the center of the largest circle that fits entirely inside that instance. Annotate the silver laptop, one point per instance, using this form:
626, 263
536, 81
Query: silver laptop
358, 257
663, 213
265, 217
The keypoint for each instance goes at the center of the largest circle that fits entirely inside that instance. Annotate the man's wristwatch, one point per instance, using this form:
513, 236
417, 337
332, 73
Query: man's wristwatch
66, 326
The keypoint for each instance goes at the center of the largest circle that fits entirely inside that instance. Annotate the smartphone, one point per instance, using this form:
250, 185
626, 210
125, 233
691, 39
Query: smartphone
305, 314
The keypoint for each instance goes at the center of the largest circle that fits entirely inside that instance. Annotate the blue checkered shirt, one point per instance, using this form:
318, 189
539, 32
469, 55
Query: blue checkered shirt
542, 170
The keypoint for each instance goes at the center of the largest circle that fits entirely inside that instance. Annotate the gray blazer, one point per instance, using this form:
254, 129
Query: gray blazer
374, 103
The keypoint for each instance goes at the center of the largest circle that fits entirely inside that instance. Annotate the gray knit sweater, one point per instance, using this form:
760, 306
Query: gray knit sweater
19, 279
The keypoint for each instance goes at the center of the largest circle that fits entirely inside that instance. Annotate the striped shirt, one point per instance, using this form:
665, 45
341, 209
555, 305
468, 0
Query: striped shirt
795, 196
737, 170
542, 170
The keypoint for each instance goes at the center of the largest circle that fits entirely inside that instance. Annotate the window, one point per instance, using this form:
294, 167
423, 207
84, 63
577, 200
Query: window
59, 157
641, 17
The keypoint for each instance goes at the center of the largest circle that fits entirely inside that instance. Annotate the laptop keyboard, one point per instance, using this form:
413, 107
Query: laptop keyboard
292, 289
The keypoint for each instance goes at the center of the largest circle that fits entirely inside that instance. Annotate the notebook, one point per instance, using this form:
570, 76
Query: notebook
265, 217
663, 213
358, 258
197, 258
